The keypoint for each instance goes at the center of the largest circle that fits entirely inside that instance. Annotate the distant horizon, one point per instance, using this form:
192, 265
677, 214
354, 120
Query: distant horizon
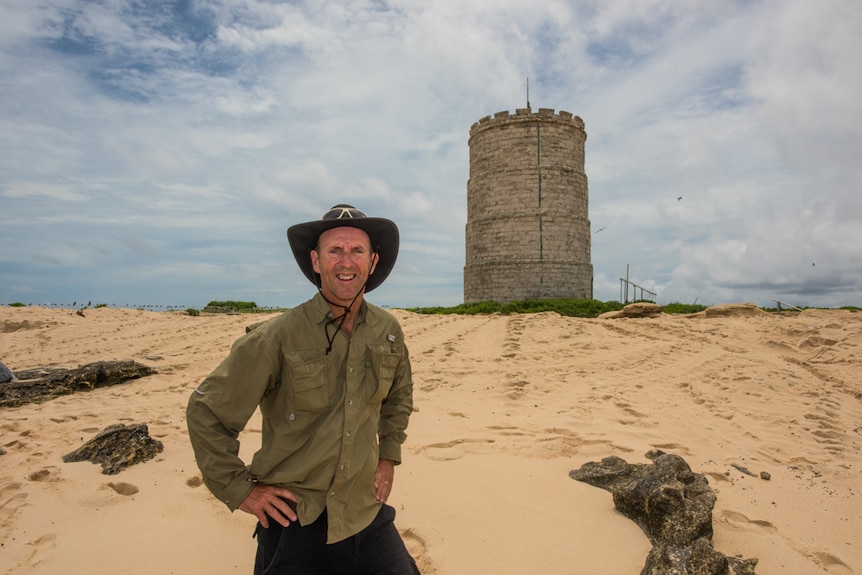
786, 306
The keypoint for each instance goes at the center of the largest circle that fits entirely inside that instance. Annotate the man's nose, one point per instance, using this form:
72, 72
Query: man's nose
347, 258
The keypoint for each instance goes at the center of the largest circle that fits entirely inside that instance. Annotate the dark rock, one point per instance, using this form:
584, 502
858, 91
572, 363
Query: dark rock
42, 384
117, 447
6, 374
673, 506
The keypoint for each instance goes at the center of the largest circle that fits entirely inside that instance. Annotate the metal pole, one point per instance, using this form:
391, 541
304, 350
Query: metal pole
627, 283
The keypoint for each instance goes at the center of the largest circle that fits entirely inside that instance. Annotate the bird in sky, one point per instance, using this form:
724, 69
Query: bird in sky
598, 230
679, 199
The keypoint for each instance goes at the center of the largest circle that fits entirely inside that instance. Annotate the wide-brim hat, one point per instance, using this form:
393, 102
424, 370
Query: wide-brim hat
382, 232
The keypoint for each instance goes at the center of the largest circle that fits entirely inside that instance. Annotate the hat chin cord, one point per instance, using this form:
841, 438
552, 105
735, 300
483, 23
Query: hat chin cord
340, 319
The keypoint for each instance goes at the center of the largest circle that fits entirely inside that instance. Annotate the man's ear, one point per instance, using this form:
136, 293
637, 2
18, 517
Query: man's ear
375, 257
315, 261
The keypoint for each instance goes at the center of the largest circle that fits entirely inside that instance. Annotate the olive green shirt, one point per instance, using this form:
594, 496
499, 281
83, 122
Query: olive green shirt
327, 418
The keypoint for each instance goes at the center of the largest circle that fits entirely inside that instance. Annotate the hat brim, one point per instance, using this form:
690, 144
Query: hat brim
382, 232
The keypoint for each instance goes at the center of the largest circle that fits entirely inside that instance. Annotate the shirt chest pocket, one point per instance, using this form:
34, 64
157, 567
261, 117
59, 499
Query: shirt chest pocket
310, 388
382, 366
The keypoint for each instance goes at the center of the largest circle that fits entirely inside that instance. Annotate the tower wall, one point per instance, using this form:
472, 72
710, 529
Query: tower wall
528, 231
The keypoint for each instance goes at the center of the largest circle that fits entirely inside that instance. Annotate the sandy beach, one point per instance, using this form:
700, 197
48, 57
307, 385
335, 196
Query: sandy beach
506, 406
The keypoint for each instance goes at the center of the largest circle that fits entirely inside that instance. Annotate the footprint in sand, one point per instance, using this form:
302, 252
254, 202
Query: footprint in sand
740, 521
832, 564
507, 430
9, 488
106, 494
9, 506
673, 446
12, 427
124, 488
718, 477
455, 449
418, 549
629, 409
46, 474
42, 544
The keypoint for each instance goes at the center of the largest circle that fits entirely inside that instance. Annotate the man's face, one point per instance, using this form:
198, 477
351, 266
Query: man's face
344, 260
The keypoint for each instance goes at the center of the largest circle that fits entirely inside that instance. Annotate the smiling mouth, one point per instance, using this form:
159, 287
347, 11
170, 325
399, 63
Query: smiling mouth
346, 277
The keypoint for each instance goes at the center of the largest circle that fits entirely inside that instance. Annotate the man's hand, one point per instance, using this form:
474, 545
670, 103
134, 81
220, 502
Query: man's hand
383, 479
268, 501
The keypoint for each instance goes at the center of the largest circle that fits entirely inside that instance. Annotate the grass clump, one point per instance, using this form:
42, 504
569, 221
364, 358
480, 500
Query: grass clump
683, 308
567, 307
237, 305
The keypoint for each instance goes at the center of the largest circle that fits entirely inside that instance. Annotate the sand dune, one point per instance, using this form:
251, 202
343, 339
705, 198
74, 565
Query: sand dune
506, 406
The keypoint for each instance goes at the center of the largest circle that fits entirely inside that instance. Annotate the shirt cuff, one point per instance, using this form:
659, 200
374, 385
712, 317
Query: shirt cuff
390, 449
236, 491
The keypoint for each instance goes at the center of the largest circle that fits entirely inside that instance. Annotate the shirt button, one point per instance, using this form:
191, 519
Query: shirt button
349, 402
332, 494
348, 434
351, 370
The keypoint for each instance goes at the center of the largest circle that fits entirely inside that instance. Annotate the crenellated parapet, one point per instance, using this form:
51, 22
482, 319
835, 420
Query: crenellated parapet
527, 115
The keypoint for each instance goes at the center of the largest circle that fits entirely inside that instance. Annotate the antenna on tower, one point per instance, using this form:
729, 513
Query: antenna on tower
528, 92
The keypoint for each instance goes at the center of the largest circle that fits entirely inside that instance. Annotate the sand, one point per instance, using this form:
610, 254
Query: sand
506, 406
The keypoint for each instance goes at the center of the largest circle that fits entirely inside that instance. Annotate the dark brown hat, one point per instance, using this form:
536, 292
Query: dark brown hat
383, 233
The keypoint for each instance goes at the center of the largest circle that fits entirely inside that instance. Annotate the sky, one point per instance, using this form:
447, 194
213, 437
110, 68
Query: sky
154, 152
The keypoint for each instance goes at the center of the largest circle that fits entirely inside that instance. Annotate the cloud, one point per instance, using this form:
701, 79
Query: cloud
161, 149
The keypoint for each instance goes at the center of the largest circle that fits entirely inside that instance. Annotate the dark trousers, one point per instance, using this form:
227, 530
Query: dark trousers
297, 550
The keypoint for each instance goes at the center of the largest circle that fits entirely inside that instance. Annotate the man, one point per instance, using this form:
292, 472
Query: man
333, 382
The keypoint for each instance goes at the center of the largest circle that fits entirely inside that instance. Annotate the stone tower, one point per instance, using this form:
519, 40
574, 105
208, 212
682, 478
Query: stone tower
528, 230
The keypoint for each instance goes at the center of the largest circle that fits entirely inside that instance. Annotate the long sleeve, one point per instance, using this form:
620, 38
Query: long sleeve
395, 411
219, 409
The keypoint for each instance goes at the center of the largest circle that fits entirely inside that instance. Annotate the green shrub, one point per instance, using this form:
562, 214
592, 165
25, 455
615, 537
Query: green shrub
683, 308
566, 307
17, 304
237, 305
193, 312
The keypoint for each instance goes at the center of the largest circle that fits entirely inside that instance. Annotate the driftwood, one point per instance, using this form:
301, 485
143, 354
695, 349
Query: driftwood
117, 447
673, 506
42, 384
